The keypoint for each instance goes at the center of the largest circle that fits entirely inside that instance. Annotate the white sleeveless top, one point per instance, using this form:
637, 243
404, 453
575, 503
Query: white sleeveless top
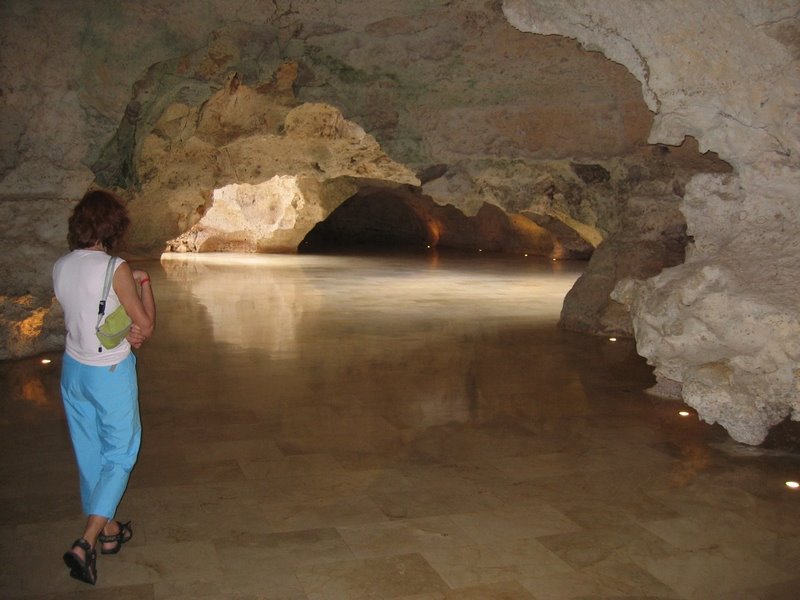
78, 281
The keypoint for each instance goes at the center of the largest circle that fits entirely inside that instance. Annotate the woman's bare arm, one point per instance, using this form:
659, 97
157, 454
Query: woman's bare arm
138, 300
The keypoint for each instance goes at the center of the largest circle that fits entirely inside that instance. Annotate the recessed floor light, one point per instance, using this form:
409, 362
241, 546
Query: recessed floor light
612, 339
792, 484
46, 361
683, 413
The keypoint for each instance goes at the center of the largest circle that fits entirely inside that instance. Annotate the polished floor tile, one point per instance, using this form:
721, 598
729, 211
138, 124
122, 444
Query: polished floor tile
399, 428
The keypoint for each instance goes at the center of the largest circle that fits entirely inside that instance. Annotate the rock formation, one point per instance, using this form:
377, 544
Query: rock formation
724, 325
648, 136
248, 170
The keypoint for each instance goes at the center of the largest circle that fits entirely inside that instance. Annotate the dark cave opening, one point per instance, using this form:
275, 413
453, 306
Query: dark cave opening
378, 218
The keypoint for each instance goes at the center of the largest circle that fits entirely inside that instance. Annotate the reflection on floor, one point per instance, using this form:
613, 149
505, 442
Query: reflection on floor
394, 428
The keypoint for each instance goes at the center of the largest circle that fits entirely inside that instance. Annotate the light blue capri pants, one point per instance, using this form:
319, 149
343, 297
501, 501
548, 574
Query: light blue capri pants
102, 408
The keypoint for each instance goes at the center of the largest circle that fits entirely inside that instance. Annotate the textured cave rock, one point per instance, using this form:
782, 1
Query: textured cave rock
652, 237
650, 234
249, 169
565, 167
722, 327
33, 233
726, 329
445, 87
616, 106
244, 140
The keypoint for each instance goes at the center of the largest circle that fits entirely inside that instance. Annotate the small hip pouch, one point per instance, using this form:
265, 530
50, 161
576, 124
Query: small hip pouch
111, 331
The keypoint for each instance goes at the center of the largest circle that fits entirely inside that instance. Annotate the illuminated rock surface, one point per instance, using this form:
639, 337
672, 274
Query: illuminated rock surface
725, 324
524, 133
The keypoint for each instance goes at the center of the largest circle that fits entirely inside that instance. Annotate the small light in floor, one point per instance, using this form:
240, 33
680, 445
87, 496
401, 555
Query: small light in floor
428, 246
684, 413
46, 361
612, 339
480, 249
792, 484
554, 260
526, 254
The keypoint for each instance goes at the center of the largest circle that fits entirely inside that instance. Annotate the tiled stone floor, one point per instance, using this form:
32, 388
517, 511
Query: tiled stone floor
348, 428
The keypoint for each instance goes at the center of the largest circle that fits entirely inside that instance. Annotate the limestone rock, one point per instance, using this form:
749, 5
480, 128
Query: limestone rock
30, 325
527, 125
236, 173
452, 84
725, 323
33, 235
727, 328
651, 238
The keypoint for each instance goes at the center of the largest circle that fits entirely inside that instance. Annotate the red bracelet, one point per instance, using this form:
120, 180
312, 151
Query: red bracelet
145, 280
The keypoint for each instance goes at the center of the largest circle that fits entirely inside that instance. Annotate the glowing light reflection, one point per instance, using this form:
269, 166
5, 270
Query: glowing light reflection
275, 293
793, 485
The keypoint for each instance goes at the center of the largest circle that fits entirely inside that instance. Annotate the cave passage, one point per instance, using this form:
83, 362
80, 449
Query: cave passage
402, 218
377, 222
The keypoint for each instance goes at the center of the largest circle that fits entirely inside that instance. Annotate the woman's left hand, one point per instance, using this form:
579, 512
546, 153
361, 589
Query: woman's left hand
135, 336
139, 275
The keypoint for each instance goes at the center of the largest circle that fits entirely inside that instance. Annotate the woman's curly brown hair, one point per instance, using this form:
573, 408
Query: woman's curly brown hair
98, 217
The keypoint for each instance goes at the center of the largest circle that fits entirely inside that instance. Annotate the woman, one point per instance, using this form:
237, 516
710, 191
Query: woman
98, 385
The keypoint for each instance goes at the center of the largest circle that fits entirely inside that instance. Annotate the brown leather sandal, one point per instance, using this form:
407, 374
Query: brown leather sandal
82, 569
124, 535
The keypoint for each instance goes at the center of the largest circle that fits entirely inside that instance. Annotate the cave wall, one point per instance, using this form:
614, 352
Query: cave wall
109, 93
433, 81
723, 327
499, 117
447, 86
508, 116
